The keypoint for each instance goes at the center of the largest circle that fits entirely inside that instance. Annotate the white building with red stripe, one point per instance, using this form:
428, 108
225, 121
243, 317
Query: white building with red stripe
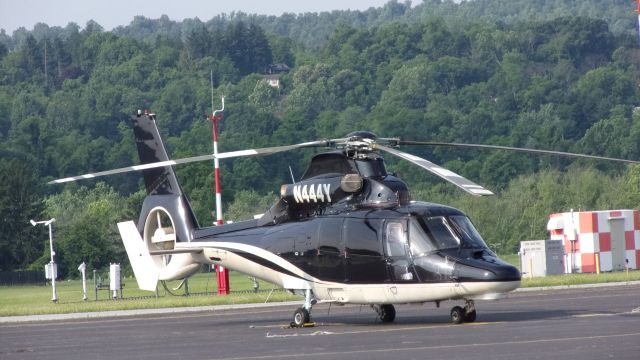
609, 239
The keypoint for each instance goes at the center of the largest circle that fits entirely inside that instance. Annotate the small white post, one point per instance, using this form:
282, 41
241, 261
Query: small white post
114, 277
83, 270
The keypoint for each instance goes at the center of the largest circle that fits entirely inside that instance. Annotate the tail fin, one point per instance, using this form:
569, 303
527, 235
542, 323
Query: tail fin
163, 189
166, 217
158, 181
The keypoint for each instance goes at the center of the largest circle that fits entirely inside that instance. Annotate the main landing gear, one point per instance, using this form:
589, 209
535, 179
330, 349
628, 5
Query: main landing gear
466, 314
302, 315
386, 312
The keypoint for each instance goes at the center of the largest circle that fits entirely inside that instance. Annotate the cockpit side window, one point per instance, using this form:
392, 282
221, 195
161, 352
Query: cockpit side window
420, 242
441, 232
396, 239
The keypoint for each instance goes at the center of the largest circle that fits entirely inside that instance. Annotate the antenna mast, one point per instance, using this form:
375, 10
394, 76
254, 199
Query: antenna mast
221, 273
215, 117
638, 11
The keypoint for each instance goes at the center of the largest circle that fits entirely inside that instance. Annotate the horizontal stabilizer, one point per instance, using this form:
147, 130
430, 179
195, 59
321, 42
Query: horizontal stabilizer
143, 266
175, 251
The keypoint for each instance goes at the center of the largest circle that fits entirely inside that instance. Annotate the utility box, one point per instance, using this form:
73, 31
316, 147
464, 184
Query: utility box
541, 258
114, 277
51, 271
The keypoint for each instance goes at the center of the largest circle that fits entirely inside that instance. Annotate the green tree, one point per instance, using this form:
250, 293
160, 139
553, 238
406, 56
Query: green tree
86, 225
20, 201
249, 203
3, 51
598, 91
282, 50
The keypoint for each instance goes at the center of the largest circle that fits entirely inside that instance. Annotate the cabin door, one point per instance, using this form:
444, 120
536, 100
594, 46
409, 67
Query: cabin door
363, 254
398, 257
329, 261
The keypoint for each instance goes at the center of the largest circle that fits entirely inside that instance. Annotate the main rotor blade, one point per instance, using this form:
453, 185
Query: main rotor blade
274, 149
132, 168
461, 182
517, 149
224, 155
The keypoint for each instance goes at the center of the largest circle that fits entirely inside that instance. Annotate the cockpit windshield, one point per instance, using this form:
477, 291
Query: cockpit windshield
428, 234
471, 238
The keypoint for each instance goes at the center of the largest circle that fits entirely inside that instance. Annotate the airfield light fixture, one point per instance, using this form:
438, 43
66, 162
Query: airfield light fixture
52, 264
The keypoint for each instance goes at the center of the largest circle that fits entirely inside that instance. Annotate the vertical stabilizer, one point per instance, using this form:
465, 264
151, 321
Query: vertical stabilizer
158, 181
163, 189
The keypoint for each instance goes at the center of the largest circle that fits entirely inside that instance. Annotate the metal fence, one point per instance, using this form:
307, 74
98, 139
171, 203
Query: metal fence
22, 277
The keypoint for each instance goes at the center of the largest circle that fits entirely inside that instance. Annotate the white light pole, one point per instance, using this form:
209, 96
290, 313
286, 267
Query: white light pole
52, 264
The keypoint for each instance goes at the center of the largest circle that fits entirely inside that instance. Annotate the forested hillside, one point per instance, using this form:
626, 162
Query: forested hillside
529, 75
311, 30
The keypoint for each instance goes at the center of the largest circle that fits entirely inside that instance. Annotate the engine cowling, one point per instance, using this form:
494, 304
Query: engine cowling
320, 191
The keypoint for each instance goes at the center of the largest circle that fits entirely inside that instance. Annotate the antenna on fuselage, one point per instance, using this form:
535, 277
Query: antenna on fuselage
291, 172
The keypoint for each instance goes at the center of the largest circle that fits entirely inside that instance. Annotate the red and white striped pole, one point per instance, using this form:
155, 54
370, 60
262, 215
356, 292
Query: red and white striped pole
216, 163
221, 272
638, 10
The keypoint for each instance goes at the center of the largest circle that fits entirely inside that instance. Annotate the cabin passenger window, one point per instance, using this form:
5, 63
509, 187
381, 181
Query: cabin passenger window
361, 237
396, 239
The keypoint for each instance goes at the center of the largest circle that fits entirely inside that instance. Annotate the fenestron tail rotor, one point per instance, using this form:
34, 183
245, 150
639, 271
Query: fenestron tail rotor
159, 233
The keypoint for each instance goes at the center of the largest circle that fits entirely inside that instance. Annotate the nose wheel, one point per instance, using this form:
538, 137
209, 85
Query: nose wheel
464, 314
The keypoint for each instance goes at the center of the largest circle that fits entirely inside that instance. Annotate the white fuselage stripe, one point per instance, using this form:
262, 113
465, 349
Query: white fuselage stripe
342, 292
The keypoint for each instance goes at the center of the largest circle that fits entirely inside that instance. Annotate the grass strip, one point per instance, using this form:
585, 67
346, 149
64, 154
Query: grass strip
36, 299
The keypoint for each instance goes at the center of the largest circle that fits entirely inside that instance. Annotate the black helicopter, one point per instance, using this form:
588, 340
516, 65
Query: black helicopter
347, 232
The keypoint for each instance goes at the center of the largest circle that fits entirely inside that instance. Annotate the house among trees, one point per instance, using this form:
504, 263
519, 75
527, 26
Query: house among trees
273, 74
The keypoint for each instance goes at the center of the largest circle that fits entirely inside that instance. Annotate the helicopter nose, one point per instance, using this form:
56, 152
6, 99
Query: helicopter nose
486, 271
506, 273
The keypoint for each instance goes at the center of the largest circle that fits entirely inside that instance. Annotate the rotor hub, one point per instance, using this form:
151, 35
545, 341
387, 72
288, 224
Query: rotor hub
362, 135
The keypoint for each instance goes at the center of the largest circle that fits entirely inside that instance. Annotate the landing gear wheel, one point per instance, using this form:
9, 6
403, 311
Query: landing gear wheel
470, 316
469, 311
457, 315
387, 313
300, 317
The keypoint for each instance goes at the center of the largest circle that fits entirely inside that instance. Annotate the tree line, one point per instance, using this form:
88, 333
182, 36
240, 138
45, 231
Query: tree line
312, 29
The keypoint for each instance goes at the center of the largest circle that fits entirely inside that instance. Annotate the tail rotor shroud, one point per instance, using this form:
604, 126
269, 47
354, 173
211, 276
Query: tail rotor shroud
160, 234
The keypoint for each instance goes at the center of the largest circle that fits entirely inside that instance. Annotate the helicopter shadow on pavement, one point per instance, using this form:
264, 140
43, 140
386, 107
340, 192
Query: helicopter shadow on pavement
443, 319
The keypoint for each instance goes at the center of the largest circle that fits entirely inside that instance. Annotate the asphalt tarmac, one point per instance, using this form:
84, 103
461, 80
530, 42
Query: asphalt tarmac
597, 323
